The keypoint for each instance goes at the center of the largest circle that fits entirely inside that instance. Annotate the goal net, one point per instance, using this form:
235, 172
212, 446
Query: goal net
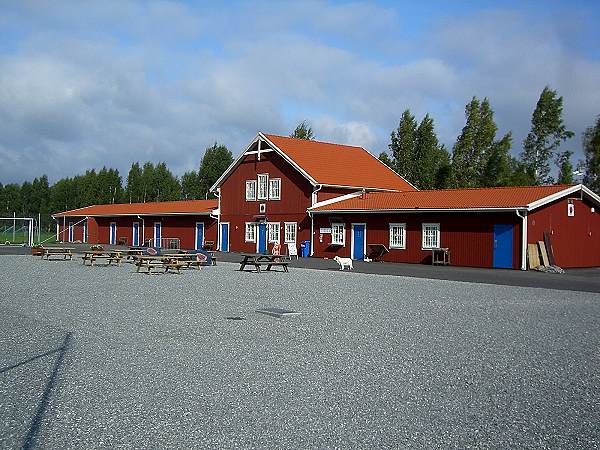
16, 231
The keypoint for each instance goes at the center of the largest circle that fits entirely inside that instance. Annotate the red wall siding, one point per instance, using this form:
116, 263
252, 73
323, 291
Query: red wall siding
182, 227
327, 192
469, 236
575, 240
296, 193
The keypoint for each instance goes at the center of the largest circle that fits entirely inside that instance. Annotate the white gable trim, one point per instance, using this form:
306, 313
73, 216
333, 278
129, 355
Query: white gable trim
260, 137
563, 193
335, 200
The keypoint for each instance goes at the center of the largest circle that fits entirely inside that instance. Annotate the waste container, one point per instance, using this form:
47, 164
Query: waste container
305, 249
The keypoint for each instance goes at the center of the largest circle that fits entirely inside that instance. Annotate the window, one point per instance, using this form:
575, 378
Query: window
338, 233
273, 232
250, 190
263, 185
431, 235
250, 232
275, 189
290, 232
398, 235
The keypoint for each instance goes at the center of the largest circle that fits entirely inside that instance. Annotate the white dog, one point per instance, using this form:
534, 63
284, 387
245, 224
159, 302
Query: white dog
344, 262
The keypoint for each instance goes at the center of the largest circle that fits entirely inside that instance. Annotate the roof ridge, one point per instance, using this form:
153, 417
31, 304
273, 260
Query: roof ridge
317, 141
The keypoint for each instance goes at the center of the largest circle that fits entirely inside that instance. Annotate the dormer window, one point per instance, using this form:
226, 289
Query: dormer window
250, 190
275, 189
263, 186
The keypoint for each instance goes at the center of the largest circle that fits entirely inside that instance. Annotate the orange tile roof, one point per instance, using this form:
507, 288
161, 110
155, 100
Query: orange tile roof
191, 207
477, 198
341, 165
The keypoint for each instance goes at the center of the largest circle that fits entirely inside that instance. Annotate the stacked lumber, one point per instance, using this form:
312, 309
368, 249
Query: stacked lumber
540, 256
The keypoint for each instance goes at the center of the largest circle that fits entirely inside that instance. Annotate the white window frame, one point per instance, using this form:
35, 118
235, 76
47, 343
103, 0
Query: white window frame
265, 194
402, 227
252, 197
278, 182
333, 233
272, 226
424, 245
290, 226
250, 226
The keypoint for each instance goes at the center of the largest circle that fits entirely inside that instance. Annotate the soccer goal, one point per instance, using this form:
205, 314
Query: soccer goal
17, 231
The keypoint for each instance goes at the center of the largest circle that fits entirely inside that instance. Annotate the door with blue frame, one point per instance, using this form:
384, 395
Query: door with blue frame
157, 234
113, 233
262, 238
199, 236
503, 246
135, 241
358, 231
224, 237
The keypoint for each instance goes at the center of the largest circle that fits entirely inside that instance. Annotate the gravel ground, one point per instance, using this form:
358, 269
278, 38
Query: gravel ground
105, 358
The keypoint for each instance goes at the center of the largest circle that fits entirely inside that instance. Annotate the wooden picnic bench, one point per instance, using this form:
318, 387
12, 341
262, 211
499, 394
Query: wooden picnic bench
133, 252
187, 259
65, 252
112, 256
258, 261
149, 262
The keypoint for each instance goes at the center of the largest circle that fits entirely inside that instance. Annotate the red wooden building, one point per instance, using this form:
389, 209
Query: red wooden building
343, 201
191, 222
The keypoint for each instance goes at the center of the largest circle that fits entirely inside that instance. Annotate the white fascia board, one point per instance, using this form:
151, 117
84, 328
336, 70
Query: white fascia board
414, 210
289, 160
591, 194
335, 200
556, 196
234, 164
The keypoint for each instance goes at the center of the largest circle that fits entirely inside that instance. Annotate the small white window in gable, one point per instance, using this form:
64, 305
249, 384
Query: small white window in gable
263, 185
290, 232
275, 189
250, 232
251, 190
431, 235
273, 232
398, 235
338, 234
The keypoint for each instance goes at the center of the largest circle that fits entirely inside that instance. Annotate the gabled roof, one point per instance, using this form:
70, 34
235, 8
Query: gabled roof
182, 207
522, 197
324, 163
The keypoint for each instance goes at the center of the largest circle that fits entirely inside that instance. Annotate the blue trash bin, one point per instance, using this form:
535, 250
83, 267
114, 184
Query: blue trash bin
305, 249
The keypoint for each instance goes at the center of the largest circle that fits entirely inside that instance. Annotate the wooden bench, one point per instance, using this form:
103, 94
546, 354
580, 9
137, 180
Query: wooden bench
258, 261
110, 256
158, 262
65, 252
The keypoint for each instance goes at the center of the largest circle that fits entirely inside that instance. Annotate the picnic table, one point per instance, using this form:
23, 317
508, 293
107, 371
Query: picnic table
112, 256
187, 259
65, 252
133, 252
165, 262
257, 260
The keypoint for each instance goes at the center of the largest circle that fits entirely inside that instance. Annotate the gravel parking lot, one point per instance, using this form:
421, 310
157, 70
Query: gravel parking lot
101, 357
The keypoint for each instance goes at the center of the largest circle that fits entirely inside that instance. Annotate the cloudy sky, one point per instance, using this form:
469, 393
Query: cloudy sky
87, 84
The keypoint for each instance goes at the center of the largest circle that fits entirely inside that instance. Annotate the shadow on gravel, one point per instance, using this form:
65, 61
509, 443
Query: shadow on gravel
29, 441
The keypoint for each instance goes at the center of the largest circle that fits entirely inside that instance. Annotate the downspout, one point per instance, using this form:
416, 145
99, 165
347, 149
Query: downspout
523, 238
218, 194
143, 229
314, 200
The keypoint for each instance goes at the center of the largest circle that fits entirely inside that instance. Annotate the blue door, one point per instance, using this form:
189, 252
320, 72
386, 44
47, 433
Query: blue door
262, 238
199, 235
503, 246
70, 231
113, 233
157, 235
136, 234
358, 242
224, 237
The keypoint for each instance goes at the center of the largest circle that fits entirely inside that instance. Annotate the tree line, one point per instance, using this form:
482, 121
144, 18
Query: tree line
144, 183
481, 158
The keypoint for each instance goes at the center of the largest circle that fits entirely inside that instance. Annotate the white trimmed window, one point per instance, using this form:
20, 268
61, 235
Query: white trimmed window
431, 235
290, 232
273, 232
250, 232
398, 235
275, 189
263, 186
338, 233
251, 190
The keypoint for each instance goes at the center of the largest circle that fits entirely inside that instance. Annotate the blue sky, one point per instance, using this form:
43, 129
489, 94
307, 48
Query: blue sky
87, 84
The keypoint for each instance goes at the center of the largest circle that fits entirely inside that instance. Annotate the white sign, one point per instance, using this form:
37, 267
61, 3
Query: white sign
325, 231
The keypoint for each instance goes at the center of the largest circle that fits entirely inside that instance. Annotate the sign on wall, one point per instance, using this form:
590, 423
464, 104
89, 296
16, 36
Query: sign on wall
325, 230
